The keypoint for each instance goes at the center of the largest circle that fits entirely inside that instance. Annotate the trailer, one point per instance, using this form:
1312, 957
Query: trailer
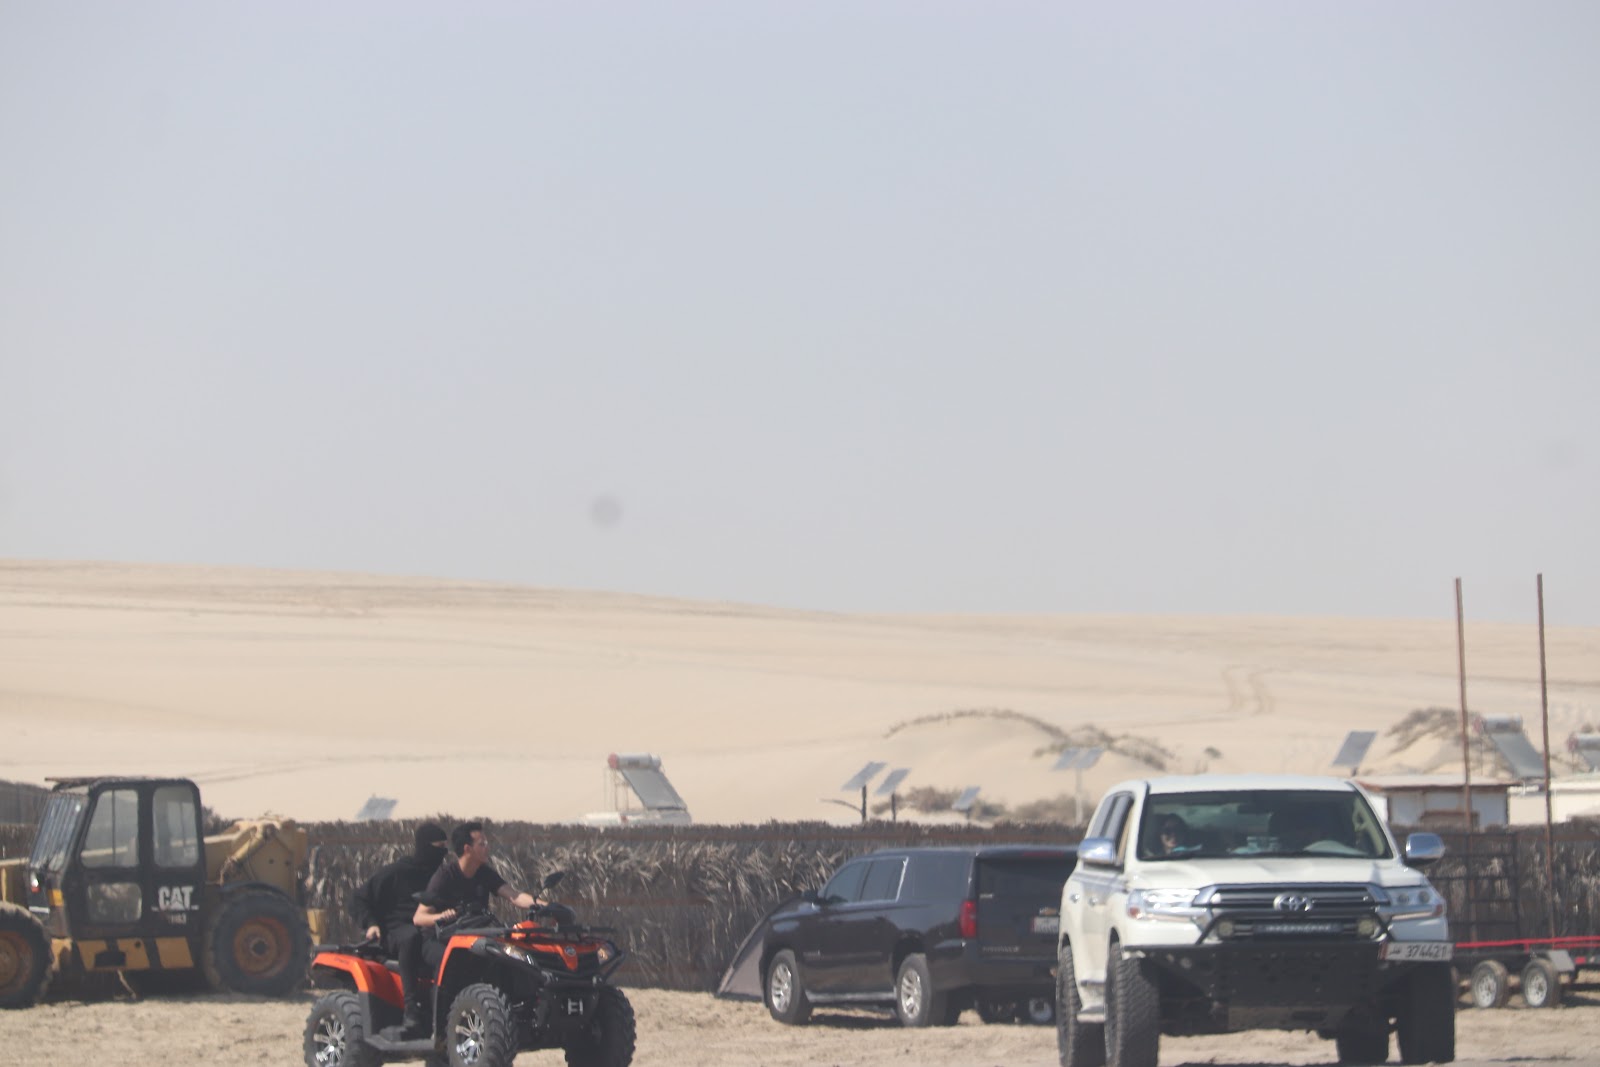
1538, 962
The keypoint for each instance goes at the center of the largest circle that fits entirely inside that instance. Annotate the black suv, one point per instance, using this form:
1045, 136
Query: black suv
931, 931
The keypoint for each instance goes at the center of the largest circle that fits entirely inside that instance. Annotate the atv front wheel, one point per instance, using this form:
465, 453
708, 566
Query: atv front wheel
609, 1041
478, 1030
336, 1033
258, 943
25, 961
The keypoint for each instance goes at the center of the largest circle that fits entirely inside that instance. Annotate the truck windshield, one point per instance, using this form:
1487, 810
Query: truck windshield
57, 828
1260, 822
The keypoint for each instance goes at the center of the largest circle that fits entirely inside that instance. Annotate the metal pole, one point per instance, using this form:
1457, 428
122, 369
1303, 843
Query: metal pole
1544, 715
864, 804
1466, 761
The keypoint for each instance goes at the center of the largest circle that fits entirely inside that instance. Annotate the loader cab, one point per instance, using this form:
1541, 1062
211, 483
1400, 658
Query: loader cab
119, 860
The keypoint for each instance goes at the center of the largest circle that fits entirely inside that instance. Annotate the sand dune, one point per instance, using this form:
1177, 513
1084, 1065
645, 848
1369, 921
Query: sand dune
306, 693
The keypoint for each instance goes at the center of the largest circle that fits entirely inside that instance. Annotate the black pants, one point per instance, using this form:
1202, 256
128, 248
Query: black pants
406, 942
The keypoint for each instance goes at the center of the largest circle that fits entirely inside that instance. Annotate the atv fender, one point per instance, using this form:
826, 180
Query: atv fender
364, 976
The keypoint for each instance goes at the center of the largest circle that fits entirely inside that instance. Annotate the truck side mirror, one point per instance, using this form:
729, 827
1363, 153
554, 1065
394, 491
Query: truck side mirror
1097, 852
1423, 848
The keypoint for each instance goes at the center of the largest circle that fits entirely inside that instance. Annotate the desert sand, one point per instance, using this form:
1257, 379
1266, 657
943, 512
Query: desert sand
304, 694
688, 1029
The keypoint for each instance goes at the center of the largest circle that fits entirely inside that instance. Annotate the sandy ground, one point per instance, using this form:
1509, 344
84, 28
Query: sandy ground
687, 1029
305, 694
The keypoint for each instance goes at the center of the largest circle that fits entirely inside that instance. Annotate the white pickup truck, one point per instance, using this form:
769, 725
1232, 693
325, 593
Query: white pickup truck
1220, 903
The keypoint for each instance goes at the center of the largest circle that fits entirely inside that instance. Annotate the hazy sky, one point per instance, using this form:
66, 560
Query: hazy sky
1214, 308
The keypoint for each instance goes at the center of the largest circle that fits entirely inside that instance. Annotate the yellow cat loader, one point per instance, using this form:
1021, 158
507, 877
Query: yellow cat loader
122, 879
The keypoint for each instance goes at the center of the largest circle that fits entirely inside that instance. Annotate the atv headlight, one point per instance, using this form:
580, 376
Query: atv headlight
605, 952
512, 952
1170, 904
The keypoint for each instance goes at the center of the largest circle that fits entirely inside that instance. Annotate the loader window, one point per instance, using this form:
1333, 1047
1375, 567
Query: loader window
56, 830
113, 837
114, 903
176, 826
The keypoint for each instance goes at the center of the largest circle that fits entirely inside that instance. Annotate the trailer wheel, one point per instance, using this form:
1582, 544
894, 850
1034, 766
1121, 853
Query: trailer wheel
1491, 984
1541, 985
25, 961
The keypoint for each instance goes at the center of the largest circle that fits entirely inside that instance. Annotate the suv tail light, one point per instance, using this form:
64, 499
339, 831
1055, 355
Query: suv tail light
969, 918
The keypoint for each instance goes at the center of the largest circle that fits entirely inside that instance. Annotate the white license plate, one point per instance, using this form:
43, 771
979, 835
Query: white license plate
1442, 951
1047, 924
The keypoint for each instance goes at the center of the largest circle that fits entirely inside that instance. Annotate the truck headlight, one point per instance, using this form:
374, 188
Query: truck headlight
1172, 904
1412, 902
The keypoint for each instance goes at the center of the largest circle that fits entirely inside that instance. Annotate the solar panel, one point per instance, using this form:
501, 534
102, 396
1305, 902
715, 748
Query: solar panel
968, 797
1354, 749
376, 807
863, 776
1519, 754
651, 787
896, 776
1078, 759
1587, 748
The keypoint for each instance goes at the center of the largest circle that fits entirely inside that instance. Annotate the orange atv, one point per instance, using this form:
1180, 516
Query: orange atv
544, 982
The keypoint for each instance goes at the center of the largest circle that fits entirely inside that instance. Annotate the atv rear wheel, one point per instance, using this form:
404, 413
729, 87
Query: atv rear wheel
478, 1029
609, 1041
336, 1033
258, 943
26, 966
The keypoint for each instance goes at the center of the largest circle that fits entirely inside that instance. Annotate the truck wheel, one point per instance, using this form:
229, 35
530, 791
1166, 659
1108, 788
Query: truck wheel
1363, 1040
610, 1039
786, 991
478, 1029
1039, 1011
26, 965
1133, 1013
1427, 1021
258, 943
915, 1002
1491, 984
336, 1034
1080, 1044
1541, 984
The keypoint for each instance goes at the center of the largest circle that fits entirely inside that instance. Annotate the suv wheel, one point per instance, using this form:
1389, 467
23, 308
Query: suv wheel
1081, 1044
1427, 1023
786, 991
915, 1002
1133, 1013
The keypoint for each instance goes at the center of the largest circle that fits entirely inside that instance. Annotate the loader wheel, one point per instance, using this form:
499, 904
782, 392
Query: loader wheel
609, 1041
336, 1033
26, 966
257, 943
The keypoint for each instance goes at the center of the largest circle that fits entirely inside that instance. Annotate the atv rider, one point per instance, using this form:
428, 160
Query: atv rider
466, 882
386, 903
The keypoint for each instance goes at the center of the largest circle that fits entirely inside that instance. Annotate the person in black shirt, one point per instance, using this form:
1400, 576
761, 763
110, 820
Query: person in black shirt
386, 902
466, 882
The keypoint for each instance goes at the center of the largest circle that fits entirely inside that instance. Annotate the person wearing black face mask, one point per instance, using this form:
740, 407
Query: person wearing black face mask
386, 902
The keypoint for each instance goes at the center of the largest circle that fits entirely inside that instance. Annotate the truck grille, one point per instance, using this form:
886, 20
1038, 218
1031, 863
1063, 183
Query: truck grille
1262, 913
